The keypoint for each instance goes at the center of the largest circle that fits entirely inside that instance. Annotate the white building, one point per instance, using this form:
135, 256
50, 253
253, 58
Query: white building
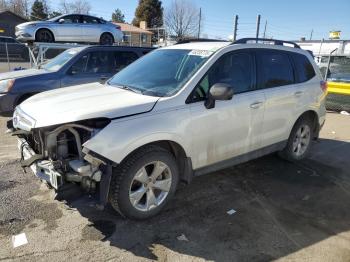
324, 47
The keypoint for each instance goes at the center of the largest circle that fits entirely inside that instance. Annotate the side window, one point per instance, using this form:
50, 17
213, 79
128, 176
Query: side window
123, 59
274, 69
235, 69
71, 19
99, 62
90, 20
79, 67
303, 67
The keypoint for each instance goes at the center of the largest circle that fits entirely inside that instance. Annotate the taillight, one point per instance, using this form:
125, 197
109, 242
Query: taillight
324, 86
118, 27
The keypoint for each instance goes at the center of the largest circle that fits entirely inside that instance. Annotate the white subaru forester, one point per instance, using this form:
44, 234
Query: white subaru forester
178, 112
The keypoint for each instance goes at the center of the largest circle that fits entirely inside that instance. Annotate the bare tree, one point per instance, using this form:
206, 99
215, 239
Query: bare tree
182, 19
19, 7
77, 6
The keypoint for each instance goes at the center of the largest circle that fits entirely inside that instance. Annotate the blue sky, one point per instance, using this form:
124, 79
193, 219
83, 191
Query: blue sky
285, 19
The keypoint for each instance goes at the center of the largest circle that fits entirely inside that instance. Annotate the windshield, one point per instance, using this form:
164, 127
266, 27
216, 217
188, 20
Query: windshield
56, 63
339, 68
162, 72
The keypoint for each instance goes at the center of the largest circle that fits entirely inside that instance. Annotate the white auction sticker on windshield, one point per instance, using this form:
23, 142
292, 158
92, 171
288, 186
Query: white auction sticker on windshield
202, 53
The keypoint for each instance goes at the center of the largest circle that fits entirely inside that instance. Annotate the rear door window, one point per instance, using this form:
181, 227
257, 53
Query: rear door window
99, 62
123, 59
71, 19
90, 20
303, 67
274, 69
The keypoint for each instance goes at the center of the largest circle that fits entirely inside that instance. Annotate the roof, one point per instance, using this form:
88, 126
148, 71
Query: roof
9, 11
210, 46
130, 28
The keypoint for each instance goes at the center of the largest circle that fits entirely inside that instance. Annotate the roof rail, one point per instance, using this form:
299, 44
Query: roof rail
275, 41
186, 41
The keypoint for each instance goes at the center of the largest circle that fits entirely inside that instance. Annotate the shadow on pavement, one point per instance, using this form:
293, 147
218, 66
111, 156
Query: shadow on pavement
281, 207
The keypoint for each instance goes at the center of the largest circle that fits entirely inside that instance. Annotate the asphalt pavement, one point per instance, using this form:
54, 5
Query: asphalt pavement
283, 211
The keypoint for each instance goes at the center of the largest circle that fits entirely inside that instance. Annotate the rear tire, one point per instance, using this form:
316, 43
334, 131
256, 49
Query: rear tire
45, 36
106, 39
144, 183
300, 140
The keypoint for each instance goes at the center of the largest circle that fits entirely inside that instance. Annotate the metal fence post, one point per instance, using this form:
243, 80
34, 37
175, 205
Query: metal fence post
8, 58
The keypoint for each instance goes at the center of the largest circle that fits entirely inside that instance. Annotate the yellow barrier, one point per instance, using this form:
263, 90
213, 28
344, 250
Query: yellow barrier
339, 88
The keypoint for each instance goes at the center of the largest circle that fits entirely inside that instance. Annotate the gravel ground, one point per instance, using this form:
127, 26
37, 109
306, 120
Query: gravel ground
284, 211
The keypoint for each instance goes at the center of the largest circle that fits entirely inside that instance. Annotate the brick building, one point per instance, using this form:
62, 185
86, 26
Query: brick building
136, 36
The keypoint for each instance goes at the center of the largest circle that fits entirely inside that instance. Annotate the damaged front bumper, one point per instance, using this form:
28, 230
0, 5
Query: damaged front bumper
43, 169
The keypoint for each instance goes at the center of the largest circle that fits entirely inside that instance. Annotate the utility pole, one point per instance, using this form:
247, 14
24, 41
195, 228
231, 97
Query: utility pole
257, 27
265, 29
200, 21
235, 28
312, 32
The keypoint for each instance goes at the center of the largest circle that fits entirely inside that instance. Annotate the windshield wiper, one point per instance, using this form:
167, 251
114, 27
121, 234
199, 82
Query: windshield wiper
129, 88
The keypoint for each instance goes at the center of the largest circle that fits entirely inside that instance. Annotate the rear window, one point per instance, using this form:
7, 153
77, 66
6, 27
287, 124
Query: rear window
304, 69
274, 69
123, 59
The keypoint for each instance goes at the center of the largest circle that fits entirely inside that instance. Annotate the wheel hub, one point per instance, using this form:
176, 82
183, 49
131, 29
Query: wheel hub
150, 186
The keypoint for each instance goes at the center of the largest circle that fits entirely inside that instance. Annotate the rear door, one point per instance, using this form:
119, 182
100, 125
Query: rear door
276, 77
94, 66
91, 28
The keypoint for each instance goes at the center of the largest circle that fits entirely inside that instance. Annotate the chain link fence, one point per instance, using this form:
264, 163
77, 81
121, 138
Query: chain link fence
338, 102
14, 56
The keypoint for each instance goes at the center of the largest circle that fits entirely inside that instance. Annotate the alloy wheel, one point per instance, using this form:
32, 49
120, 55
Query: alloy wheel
301, 140
150, 186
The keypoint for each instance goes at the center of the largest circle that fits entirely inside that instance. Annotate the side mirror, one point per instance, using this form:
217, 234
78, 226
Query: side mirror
61, 21
219, 91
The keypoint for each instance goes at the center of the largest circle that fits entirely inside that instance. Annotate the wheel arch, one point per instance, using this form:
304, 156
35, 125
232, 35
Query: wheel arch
44, 28
183, 161
23, 97
313, 116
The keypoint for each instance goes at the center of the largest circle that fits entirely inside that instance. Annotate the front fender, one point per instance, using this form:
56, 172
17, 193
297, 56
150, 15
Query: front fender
120, 138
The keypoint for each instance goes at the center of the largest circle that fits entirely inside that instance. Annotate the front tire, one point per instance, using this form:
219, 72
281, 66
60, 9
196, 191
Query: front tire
300, 140
44, 36
144, 183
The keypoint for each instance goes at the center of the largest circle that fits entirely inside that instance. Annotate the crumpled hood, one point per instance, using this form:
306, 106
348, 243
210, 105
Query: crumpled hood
22, 73
84, 102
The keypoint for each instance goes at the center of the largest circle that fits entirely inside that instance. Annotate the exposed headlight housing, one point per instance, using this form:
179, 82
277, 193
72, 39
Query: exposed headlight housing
22, 121
6, 85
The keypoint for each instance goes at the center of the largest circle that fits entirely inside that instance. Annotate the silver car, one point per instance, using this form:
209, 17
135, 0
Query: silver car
70, 28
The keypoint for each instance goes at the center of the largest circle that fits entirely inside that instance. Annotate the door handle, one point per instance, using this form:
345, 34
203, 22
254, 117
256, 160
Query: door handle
298, 93
256, 105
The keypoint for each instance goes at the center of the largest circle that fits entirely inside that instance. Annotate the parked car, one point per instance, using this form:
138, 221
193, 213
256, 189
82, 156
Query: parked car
13, 49
338, 80
72, 67
178, 112
70, 28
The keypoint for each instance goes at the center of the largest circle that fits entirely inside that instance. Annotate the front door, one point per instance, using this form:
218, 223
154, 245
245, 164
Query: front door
232, 127
70, 30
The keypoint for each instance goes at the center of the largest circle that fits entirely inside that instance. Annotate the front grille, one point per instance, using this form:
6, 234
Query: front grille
338, 102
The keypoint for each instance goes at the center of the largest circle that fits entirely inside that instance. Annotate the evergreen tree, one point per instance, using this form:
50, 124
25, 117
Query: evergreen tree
150, 11
38, 11
118, 16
